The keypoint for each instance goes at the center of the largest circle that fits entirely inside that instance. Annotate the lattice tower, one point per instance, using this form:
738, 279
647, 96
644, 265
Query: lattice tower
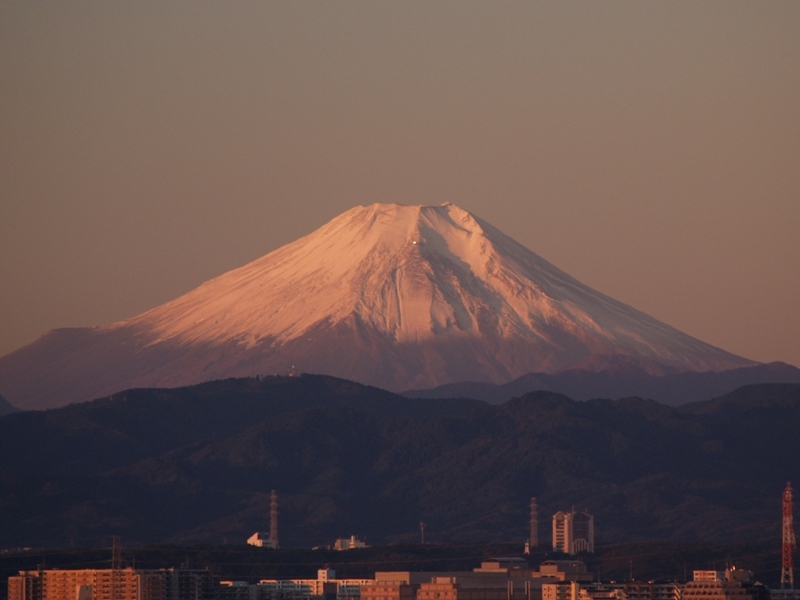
116, 568
534, 541
273, 520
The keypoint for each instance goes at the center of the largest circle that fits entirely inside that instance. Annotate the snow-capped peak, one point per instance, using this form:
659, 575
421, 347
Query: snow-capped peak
413, 274
396, 296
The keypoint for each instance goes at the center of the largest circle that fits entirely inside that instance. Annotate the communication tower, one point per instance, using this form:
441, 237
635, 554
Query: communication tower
787, 571
273, 520
534, 540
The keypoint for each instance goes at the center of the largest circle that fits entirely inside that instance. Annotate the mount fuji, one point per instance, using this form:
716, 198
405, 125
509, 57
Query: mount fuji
394, 296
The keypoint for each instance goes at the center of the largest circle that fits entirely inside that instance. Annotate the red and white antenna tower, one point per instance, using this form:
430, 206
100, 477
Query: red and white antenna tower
787, 572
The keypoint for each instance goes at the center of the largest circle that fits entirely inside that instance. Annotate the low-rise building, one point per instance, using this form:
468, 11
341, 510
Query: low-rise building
732, 584
389, 590
473, 588
564, 570
651, 590
326, 585
350, 543
566, 590
632, 590
262, 540
232, 590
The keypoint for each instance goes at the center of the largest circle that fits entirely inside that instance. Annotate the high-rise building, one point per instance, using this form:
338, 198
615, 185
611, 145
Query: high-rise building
573, 532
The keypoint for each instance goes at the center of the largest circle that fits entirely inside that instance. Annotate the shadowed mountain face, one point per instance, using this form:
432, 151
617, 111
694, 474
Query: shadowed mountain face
401, 297
197, 464
5, 407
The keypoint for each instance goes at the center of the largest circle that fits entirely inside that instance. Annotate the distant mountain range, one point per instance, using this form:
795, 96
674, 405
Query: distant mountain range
620, 381
6, 407
196, 464
401, 297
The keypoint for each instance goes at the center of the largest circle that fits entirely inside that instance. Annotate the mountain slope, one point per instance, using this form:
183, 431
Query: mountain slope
395, 296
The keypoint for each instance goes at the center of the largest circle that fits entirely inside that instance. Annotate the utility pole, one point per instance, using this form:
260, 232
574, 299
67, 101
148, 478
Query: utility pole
422, 533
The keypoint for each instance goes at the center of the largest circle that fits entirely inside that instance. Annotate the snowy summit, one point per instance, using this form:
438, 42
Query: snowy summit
400, 297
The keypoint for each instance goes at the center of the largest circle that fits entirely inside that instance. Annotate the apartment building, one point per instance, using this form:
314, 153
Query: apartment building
111, 584
732, 584
573, 532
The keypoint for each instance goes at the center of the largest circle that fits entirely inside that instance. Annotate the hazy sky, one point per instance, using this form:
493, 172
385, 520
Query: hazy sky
649, 149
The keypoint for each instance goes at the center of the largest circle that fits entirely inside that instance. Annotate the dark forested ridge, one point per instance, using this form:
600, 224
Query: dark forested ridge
197, 464
620, 380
